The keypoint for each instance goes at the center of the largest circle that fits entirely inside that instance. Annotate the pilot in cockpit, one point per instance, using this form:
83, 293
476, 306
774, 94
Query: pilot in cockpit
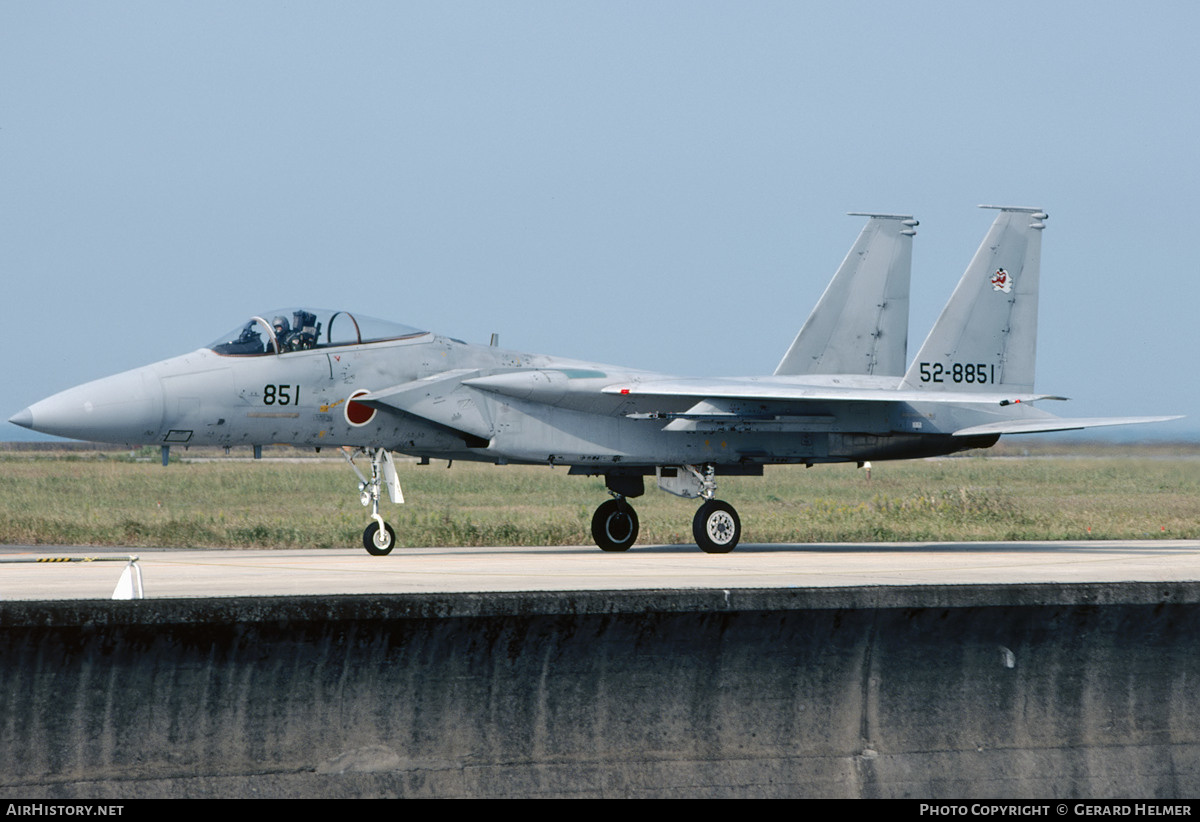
282, 330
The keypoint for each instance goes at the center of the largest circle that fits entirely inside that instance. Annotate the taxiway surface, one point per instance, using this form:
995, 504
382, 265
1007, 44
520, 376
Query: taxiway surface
27, 572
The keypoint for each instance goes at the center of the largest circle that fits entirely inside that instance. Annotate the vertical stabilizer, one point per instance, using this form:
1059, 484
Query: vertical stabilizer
860, 324
986, 336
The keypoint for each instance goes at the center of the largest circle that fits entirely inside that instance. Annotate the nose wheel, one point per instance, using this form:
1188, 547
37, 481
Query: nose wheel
378, 541
615, 525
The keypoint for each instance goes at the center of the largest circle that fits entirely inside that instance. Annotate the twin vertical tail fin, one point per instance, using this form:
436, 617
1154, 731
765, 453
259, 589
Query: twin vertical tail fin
986, 337
860, 324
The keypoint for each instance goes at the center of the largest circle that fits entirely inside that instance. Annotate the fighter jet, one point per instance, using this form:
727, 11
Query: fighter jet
841, 393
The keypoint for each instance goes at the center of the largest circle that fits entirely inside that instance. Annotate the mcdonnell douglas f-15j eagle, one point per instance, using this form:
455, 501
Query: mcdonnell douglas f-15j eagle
841, 393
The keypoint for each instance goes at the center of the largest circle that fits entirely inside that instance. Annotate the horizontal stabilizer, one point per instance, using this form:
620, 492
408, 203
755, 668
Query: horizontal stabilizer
1041, 426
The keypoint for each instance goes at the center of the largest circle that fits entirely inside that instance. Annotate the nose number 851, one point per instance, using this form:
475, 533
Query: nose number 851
281, 395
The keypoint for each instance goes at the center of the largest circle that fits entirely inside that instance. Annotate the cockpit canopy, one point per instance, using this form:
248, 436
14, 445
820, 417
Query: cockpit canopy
300, 329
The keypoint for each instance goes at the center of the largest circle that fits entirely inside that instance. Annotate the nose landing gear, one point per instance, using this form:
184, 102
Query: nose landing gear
379, 538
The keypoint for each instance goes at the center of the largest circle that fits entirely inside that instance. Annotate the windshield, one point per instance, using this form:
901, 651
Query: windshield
300, 329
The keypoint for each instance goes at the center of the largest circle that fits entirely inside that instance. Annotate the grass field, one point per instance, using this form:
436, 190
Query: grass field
108, 498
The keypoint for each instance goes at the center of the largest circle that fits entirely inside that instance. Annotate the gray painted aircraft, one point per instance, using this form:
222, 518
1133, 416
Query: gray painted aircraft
841, 393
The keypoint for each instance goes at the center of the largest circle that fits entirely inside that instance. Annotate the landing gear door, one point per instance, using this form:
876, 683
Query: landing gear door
391, 479
680, 481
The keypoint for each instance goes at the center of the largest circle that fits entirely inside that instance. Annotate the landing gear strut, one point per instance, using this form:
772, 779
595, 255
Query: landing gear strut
379, 538
716, 526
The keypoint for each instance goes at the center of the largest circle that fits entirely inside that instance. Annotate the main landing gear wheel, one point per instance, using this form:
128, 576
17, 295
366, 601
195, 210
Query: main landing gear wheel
379, 543
716, 527
615, 525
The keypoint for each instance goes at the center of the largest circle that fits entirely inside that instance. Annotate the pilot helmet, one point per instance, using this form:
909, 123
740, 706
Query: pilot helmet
280, 325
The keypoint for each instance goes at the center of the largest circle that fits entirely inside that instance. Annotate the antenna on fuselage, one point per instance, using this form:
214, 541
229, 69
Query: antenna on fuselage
495, 340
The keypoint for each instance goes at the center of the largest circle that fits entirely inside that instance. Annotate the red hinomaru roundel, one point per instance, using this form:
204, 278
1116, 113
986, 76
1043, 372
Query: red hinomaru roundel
358, 413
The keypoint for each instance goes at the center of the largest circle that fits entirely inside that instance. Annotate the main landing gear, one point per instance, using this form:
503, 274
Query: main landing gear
379, 538
615, 525
716, 526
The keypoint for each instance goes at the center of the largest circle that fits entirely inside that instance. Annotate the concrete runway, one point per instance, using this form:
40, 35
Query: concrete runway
173, 573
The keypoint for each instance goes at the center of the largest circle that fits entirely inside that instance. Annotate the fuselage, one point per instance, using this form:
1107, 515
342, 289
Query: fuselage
427, 395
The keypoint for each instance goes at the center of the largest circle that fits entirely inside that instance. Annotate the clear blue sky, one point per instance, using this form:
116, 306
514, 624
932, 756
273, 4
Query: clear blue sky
654, 184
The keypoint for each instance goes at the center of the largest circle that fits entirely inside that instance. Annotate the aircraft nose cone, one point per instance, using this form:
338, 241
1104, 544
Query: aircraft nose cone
23, 418
127, 407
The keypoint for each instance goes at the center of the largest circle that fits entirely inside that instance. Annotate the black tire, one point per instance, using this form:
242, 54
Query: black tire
381, 546
615, 525
716, 527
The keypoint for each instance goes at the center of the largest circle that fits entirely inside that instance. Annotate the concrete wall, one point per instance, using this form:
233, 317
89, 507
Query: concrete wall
930, 692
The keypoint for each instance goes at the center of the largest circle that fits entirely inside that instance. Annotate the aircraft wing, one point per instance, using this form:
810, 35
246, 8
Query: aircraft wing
445, 399
1040, 426
755, 388
721, 399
